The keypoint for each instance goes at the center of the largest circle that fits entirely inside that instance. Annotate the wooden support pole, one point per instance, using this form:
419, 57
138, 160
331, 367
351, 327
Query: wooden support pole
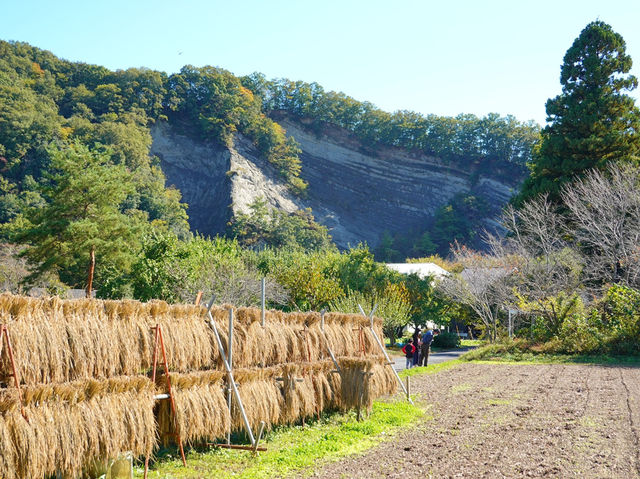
408, 379
92, 267
230, 359
236, 394
243, 448
263, 285
4, 333
159, 343
360, 394
384, 351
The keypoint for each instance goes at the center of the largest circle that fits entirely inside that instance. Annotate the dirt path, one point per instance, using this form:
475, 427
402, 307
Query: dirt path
512, 421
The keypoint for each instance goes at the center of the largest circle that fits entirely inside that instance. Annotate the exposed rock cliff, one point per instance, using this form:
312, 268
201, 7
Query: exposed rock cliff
357, 193
217, 182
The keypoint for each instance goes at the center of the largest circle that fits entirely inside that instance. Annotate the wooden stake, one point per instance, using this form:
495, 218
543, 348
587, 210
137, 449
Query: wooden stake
4, 333
159, 342
92, 267
260, 432
243, 448
408, 379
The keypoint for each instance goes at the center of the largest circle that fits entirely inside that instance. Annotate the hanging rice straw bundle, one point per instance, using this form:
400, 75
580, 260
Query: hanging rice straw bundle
354, 381
383, 382
262, 401
63, 340
298, 392
60, 341
324, 394
63, 437
201, 414
8, 459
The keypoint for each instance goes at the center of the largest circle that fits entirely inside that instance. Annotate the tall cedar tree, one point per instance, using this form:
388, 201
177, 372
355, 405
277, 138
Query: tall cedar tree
592, 122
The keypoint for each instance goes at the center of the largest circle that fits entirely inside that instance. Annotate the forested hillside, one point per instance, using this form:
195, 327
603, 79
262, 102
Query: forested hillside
492, 141
68, 130
49, 101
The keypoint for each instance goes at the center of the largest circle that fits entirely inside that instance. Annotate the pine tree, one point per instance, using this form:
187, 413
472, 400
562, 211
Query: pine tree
82, 224
592, 122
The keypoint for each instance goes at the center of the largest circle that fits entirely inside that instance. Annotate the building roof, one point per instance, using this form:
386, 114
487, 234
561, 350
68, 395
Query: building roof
421, 269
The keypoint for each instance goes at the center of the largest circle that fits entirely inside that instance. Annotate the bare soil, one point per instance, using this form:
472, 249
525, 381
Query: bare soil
514, 421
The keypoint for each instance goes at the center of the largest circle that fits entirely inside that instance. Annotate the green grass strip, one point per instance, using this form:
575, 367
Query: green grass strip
500, 354
293, 449
431, 369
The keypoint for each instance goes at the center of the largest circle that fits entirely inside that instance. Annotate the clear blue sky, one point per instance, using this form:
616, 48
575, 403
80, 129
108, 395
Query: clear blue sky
428, 56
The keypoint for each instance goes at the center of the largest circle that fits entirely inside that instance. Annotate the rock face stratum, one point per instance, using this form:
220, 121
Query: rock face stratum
356, 191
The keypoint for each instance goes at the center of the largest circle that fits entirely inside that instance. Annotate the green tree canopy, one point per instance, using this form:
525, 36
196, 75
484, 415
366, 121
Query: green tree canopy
264, 226
592, 122
85, 192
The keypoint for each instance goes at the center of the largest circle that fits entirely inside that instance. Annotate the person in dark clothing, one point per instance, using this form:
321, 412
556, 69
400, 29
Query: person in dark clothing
425, 348
416, 343
409, 349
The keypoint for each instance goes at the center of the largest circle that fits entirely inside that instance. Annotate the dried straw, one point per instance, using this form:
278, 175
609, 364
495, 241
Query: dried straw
86, 399
65, 340
60, 341
69, 429
8, 457
363, 380
201, 414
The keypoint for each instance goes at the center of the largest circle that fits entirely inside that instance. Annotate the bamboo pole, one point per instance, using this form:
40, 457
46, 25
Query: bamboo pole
260, 432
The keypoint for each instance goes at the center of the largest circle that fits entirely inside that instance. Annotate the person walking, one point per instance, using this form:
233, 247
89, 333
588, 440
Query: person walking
425, 348
409, 349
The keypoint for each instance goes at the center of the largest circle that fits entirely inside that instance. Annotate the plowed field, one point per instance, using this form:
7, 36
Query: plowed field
513, 421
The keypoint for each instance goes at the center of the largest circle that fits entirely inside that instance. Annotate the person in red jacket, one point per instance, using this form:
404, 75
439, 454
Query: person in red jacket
408, 351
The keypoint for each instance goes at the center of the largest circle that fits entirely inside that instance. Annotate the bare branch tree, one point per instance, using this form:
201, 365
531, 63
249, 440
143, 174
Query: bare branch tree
605, 223
483, 285
13, 270
549, 259
239, 286
547, 269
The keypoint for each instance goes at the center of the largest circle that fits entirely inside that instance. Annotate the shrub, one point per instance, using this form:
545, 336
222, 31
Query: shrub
446, 340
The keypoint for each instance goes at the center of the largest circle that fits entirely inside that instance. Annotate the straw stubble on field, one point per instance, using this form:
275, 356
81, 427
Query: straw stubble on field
84, 366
